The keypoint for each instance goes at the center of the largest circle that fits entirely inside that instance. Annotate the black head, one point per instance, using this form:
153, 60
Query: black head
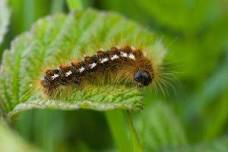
143, 77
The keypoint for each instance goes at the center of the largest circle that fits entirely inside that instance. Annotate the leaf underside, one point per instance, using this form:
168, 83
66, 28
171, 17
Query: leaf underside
58, 39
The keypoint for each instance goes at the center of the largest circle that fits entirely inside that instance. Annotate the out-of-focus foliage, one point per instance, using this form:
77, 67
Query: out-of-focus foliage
195, 33
4, 18
11, 142
160, 128
218, 145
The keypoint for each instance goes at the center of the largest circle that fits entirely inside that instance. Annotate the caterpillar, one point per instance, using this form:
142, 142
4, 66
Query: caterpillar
127, 64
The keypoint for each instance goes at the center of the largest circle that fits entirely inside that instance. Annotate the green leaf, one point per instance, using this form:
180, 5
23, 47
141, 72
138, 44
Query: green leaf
213, 87
219, 115
59, 39
160, 128
219, 145
4, 18
174, 13
9, 141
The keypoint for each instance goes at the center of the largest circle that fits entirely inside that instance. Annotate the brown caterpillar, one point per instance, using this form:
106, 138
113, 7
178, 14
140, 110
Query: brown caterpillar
126, 63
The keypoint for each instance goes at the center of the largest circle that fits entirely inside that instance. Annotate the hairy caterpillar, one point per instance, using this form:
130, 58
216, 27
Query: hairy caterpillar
126, 64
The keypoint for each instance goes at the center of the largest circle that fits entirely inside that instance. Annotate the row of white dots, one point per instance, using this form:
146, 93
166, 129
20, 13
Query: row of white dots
93, 65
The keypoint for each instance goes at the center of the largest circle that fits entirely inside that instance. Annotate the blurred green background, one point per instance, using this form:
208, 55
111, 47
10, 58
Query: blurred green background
195, 33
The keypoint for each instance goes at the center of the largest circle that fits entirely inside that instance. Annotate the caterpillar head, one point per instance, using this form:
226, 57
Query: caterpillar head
143, 78
143, 72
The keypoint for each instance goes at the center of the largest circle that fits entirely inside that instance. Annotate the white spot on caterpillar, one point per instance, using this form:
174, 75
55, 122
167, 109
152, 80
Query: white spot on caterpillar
81, 69
92, 65
104, 60
68, 73
123, 54
54, 76
131, 56
114, 57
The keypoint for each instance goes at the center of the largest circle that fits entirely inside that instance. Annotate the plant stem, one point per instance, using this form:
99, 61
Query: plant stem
137, 146
29, 6
57, 6
121, 128
74, 4
118, 127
